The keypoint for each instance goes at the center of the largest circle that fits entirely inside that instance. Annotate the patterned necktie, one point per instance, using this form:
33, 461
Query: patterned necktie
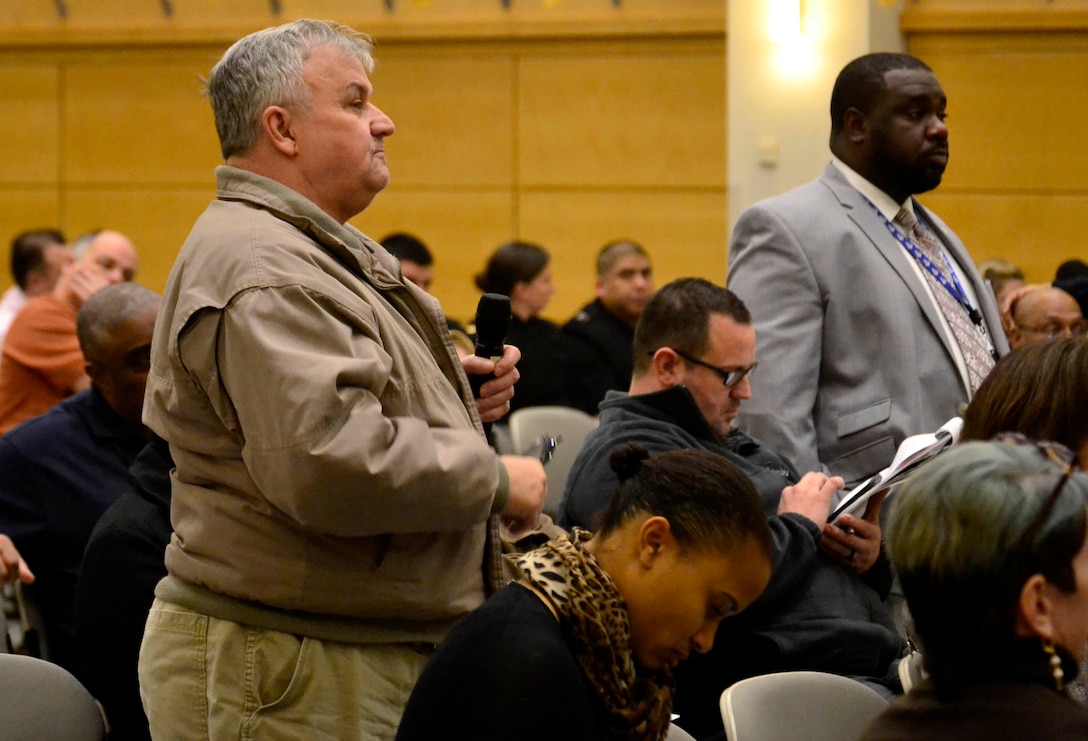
973, 343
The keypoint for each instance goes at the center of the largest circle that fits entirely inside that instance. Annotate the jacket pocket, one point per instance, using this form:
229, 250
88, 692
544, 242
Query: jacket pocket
867, 416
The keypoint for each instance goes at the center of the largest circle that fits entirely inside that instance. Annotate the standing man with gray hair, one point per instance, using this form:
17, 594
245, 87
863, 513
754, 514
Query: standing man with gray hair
335, 504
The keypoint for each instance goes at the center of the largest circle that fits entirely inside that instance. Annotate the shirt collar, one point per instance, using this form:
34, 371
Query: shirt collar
884, 202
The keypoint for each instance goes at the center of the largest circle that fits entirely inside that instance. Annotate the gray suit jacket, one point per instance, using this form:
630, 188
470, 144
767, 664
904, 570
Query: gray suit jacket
852, 357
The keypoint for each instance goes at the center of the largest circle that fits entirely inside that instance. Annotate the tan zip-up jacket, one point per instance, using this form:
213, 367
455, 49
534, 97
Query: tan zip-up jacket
330, 461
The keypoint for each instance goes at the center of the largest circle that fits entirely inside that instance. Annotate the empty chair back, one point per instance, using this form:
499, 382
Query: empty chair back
567, 425
40, 701
798, 705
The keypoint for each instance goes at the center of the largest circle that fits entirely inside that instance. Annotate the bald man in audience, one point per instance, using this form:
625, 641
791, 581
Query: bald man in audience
40, 361
62, 470
1044, 314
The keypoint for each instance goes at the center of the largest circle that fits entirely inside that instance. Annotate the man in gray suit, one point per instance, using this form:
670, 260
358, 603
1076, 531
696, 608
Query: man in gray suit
870, 327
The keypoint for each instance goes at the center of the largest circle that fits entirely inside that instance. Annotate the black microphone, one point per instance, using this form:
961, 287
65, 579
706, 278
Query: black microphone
492, 322
493, 319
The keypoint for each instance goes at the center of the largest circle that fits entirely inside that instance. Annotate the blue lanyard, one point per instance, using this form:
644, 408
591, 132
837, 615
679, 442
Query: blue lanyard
954, 288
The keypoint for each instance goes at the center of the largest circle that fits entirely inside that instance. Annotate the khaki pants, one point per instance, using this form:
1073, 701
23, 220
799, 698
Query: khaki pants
203, 678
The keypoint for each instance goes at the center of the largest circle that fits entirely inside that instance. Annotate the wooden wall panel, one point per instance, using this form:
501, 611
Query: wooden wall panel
641, 119
1035, 231
631, 133
157, 220
29, 119
1015, 186
454, 113
148, 22
461, 228
685, 234
130, 120
23, 208
1013, 122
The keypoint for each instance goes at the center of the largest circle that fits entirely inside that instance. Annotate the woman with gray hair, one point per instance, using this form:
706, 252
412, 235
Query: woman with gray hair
989, 542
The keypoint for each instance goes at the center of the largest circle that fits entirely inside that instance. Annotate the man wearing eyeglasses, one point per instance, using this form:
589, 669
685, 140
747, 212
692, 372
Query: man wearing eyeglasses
1045, 314
824, 610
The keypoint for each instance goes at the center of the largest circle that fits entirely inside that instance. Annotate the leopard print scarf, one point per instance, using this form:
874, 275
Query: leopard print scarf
594, 616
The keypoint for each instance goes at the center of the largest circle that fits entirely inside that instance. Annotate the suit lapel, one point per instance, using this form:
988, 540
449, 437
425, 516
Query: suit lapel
872, 226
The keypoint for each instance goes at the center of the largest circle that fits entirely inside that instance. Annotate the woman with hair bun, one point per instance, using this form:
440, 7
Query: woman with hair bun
582, 647
520, 270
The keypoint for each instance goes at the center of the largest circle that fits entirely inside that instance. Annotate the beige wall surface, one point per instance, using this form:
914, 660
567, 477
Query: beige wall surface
565, 122
1017, 181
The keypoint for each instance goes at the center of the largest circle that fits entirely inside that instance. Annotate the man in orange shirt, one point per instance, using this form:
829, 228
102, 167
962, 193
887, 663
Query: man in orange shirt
40, 362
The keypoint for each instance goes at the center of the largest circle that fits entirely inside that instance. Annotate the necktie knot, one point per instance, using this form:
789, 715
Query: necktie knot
906, 219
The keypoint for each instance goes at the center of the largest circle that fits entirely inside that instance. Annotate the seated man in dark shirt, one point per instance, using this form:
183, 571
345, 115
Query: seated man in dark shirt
121, 566
64, 468
598, 338
823, 609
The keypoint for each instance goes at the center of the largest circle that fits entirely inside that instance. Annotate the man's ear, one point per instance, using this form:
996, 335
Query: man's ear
1035, 616
94, 372
276, 123
1015, 337
668, 367
855, 125
654, 536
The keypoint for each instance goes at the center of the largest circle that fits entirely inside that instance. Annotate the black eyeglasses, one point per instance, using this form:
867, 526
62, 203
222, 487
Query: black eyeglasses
1061, 455
729, 377
1055, 330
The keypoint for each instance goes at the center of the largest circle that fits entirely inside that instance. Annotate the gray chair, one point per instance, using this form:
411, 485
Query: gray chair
798, 705
40, 701
566, 425
676, 733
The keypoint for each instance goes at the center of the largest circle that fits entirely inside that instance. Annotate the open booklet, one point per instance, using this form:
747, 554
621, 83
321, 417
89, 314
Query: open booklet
912, 453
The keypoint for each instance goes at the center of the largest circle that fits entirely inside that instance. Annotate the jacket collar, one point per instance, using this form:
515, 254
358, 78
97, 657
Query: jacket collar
343, 241
674, 405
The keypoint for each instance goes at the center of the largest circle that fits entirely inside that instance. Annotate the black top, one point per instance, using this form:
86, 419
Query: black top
58, 473
504, 672
122, 565
541, 366
1078, 289
598, 356
1010, 696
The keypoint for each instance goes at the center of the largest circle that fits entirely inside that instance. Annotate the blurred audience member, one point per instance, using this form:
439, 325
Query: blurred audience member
520, 270
1044, 314
40, 361
1040, 391
37, 258
599, 337
1003, 276
63, 469
1071, 269
121, 566
989, 543
583, 646
416, 261
417, 265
